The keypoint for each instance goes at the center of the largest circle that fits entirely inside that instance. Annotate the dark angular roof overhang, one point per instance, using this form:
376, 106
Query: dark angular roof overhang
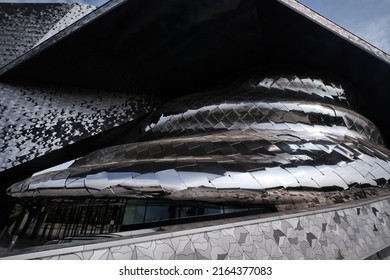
174, 47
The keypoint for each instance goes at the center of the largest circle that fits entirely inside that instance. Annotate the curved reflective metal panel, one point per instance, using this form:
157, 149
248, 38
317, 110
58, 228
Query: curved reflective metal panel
235, 144
263, 104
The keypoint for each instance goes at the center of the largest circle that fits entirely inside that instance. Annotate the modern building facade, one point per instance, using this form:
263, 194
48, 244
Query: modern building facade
199, 119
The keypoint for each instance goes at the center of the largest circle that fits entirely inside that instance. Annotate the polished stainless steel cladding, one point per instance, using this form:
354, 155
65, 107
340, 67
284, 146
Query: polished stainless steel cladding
192, 130
238, 144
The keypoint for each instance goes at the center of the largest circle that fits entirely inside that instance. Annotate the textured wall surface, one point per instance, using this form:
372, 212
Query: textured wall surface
76, 12
24, 25
299, 134
356, 231
233, 145
381, 255
35, 121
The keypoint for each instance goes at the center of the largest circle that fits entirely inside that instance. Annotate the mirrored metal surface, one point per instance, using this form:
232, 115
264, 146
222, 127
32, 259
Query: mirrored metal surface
277, 133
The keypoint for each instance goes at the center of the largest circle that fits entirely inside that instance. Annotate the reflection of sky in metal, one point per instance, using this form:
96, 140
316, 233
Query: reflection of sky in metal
282, 145
308, 106
59, 167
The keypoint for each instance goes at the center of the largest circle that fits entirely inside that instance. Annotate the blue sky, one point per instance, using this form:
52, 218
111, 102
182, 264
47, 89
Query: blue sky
368, 19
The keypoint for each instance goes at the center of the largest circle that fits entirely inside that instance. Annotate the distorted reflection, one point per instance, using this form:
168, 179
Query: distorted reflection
249, 146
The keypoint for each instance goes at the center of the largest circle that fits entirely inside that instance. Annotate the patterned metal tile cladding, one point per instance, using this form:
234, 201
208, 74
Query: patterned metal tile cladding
246, 139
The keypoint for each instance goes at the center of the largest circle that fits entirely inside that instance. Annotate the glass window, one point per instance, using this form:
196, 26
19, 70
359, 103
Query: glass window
228, 209
188, 211
209, 209
134, 212
159, 211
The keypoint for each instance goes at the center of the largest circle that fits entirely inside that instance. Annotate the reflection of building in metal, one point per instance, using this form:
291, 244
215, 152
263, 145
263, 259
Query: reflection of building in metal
232, 148
260, 135
243, 156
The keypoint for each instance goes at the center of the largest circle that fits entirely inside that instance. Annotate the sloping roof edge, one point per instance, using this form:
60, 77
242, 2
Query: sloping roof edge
335, 28
100, 11
292, 4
